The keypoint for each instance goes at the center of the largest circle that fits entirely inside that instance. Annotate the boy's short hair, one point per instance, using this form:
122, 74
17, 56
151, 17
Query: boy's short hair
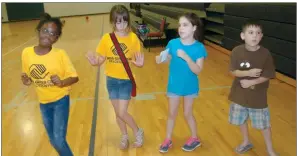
251, 22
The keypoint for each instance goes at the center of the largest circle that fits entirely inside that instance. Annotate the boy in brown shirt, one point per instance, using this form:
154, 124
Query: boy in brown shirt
252, 65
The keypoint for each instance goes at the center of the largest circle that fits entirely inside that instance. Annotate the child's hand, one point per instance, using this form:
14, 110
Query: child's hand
158, 59
139, 59
163, 57
181, 54
26, 80
246, 83
255, 72
56, 80
93, 58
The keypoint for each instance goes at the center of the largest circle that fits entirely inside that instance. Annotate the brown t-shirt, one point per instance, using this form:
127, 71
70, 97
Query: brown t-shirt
242, 59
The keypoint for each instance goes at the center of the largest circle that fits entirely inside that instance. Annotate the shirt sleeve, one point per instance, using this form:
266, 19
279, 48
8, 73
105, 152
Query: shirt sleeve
25, 62
201, 52
101, 48
269, 68
68, 66
232, 65
169, 46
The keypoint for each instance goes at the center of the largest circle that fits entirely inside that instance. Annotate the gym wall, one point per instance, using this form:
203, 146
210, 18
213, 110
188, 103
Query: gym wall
4, 12
29, 11
71, 9
279, 28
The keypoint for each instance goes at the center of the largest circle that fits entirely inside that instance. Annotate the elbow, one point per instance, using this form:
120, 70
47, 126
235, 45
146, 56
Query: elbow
232, 73
76, 79
262, 79
198, 71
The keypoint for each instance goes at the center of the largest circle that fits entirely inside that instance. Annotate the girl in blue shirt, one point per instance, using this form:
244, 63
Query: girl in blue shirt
186, 55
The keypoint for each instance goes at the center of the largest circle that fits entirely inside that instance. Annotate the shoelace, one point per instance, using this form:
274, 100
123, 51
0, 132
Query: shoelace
124, 139
165, 143
190, 141
139, 137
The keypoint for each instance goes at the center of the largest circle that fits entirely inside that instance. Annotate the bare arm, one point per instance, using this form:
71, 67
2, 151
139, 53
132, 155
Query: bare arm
250, 83
240, 73
63, 83
196, 67
247, 73
101, 60
69, 81
158, 59
259, 80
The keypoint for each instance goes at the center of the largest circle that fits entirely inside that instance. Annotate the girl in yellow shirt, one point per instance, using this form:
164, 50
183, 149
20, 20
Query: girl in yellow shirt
52, 73
119, 85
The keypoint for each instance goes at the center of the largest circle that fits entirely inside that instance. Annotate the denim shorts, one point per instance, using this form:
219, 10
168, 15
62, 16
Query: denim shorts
194, 95
119, 88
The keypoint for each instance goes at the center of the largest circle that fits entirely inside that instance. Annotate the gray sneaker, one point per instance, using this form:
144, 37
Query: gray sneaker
165, 146
139, 138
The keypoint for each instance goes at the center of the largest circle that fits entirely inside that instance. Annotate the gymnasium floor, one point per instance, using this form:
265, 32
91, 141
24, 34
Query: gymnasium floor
23, 132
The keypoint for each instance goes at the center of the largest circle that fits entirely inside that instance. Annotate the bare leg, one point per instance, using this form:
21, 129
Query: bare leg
188, 113
124, 143
128, 119
120, 122
245, 133
173, 110
268, 141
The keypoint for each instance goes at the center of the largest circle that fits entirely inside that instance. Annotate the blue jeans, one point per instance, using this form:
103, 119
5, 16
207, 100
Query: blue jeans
118, 88
55, 119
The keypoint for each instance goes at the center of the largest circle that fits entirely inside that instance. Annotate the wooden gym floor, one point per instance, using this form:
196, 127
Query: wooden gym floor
23, 132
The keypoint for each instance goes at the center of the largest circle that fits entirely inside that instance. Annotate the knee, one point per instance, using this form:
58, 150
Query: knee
121, 114
188, 115
58, 142
118, 118
53, 142
172, 115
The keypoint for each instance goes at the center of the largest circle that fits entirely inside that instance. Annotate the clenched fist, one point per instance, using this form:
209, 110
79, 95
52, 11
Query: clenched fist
57, 81
26, 80
255, 72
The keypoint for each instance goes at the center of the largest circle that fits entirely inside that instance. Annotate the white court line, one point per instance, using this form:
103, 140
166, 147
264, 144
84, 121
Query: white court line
8, 64
13, 104
201, 89
141, 96
19, 46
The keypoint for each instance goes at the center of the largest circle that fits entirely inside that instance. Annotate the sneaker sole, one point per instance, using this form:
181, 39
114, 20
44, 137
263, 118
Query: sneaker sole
163, 151
245, 149
192, 149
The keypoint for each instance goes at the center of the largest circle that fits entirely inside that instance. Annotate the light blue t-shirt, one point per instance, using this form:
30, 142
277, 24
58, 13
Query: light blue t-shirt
182, 81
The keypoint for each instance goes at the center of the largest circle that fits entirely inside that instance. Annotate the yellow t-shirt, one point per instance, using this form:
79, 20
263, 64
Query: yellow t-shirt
129, 44
40, 68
